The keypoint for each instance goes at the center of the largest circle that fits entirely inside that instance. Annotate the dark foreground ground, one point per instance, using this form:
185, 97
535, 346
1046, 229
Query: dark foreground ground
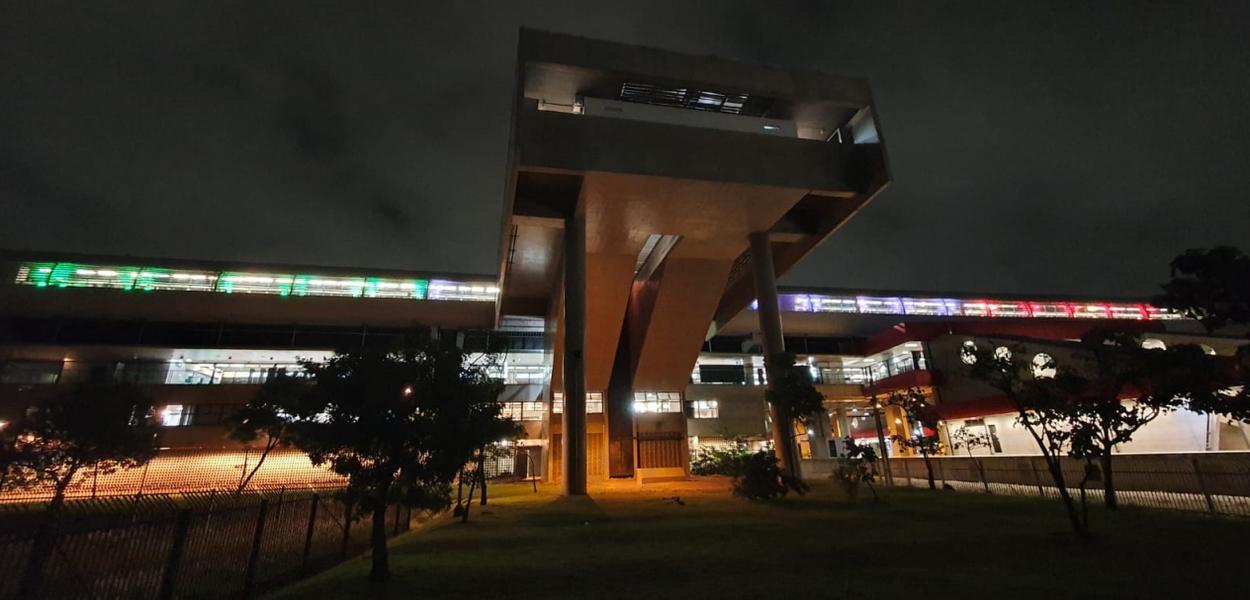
625, 543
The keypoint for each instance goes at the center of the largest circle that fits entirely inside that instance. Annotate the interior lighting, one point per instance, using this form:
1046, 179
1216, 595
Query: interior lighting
149, 278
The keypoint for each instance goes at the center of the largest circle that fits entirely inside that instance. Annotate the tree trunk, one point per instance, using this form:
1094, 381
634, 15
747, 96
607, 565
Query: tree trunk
269, 446
468, 502
980, 471
380, 570
1056, 473
481, 469
1108, 487
928, 465
1084, 504
460, 488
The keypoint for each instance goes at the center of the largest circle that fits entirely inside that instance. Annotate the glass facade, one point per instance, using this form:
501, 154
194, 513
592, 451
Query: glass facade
147, 279
953, 307
705, 409
525, 411
657, 402
594, 402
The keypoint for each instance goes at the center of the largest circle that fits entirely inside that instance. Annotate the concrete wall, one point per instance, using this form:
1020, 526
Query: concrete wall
581, 143
1181, 431
741, 411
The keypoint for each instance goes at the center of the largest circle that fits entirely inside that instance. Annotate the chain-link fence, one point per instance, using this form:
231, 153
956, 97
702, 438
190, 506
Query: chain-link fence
195, 546
194, 470
1216, 483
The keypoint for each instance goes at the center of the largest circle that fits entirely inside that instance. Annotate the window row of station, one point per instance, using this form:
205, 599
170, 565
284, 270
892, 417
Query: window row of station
644, 402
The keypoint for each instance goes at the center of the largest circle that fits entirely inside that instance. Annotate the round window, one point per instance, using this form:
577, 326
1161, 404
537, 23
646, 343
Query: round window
1043, 366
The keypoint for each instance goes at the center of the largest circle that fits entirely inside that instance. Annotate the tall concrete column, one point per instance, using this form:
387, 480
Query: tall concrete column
818, 431
573, 438
770, 326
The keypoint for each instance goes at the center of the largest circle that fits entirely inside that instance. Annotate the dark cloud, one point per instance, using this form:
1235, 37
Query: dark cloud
1036, 146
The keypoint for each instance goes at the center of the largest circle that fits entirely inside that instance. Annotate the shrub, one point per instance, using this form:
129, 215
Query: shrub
758, 476
719, 461
854, 467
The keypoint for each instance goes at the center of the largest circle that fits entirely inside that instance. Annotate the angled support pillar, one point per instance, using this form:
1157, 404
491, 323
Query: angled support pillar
769, 313
574, 419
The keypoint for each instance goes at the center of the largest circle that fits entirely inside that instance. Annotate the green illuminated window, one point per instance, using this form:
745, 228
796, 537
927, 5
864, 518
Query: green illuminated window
122, 277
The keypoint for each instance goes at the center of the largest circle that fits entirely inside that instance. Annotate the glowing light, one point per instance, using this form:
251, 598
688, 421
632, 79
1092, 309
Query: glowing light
75, 275
952, 307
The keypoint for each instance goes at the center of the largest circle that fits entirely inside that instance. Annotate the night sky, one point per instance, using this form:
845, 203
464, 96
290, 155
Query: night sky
1070, 147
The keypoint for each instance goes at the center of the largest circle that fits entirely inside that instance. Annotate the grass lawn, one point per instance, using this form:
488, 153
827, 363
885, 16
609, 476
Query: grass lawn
625, 543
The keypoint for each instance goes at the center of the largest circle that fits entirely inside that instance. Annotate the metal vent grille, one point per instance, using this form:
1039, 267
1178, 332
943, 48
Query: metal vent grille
679, 97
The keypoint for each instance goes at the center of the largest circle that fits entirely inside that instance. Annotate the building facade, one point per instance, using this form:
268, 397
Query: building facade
652, 200
202, 338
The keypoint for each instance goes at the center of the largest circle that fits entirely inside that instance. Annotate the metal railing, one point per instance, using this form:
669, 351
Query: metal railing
208, 549
1215, 483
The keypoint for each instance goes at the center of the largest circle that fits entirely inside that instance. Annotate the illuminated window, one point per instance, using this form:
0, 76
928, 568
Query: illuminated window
657, 402
526, 373
1153, 344
143, 278
968, 352
175, 415
594, 402
869, 305
706, 409
970, 308
524, 411
1043, 366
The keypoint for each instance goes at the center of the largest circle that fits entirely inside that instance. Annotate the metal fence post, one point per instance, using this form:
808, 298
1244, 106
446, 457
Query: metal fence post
308, 536
253, 561
169, 579
907, 471
1202, 486
347, 530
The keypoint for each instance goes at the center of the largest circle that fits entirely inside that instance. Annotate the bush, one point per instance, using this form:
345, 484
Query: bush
856, 466
719, 461
758, 477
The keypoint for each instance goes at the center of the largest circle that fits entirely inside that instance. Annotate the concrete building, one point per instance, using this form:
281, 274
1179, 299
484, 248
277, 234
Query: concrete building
202, 338
653, 199
649, 173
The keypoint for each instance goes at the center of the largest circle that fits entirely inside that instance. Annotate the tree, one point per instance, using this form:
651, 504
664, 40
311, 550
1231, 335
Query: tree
793, 396
856, 465
1040, 403
1212, 286
758, 476
922, 417
969, 440
487, 430
271, 413
105, 428
397, 425
1118, 387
